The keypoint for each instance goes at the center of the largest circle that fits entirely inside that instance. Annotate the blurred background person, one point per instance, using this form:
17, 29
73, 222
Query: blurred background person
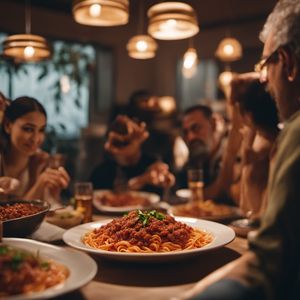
259, 119
126, 165
23, 132
271, 267
210, 152
161, 119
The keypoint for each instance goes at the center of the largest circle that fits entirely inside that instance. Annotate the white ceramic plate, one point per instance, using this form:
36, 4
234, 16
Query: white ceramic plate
153, 199
222, 235
82, 267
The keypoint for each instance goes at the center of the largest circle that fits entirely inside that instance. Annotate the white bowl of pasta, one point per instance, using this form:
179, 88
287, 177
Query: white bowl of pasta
191, 237
41, 271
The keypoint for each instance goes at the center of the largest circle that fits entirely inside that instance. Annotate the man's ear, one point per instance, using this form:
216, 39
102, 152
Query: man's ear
290, 63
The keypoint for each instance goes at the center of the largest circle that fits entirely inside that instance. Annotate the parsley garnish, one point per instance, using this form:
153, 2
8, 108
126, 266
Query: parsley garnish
144, 217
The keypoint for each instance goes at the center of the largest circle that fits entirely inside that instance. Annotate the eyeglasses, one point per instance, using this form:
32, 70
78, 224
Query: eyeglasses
262, 66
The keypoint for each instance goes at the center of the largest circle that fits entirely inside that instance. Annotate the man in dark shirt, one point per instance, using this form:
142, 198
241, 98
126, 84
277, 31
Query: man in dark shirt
126, 166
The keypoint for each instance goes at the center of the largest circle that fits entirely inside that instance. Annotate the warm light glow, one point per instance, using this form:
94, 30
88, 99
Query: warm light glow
172, 21
141, 46
190, 61
101, 12
167, 104
168, 25
65, 84
29, 51
225, 78
190, 58
229, 49
95, 10
26, 48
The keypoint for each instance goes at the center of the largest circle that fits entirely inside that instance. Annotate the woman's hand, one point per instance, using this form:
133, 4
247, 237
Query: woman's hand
8, 184
54, 179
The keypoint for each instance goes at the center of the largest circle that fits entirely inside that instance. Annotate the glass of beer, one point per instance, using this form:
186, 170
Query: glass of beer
196, 184
83, 199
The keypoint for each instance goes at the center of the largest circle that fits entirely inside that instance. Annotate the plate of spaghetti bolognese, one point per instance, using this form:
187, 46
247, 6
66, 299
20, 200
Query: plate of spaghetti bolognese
35, 270
120, 202
148, 236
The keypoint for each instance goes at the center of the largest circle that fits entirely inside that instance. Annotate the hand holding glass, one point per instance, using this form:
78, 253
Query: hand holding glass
83, 199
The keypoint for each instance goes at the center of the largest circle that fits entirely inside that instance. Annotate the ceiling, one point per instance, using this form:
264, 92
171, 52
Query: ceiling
211, 13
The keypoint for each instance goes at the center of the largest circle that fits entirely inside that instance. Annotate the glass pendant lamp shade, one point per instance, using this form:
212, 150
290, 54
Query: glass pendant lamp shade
190, 61
141, 47
26, 47
229, 49
172, 21
101, 12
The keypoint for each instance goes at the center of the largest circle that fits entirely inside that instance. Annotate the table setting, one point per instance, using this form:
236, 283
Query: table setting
110, 274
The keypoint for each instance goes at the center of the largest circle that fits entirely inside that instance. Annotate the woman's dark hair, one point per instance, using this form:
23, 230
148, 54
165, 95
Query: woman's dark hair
20, 107
257, 101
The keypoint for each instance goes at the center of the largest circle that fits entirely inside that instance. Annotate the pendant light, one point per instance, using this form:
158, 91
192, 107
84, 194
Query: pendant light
141, 46
229, 49
190, 61
225, 79
26, 47
172, 21
101, 12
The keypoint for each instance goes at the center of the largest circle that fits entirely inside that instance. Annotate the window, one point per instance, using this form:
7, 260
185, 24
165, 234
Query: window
61, 84
202, 86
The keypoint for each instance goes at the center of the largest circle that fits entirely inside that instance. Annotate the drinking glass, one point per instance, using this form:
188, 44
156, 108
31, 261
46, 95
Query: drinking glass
56, 160
196, 184
83, 199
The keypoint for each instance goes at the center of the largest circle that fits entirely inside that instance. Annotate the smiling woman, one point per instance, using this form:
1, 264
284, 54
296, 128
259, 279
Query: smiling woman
23, 132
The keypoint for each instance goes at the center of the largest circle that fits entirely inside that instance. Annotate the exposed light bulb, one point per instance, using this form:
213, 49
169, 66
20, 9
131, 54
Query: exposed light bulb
29, 51
225, 78
190, 60
228, 49
171, 22
142, 46
168, 25
95, 10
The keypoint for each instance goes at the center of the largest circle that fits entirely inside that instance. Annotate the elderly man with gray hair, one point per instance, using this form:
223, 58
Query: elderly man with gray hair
271, 267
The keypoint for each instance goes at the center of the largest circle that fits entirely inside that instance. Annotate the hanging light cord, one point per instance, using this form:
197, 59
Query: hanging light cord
141, 18
27, 17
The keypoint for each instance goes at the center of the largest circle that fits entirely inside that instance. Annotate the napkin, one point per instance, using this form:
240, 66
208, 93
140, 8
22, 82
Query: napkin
48, 233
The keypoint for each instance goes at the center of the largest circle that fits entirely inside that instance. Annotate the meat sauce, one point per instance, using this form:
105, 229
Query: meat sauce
131, 229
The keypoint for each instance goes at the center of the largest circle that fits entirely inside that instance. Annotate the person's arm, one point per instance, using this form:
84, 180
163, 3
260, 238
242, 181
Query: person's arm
230, 282
221, 186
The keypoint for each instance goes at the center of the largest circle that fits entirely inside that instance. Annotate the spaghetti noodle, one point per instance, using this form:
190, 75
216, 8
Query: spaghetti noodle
21, 272
146, 232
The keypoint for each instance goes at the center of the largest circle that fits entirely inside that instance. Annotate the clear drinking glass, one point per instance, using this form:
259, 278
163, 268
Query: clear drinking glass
196, 184
83, 199
56, 160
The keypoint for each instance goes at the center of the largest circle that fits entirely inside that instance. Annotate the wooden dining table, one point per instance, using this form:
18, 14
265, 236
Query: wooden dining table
117, 280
